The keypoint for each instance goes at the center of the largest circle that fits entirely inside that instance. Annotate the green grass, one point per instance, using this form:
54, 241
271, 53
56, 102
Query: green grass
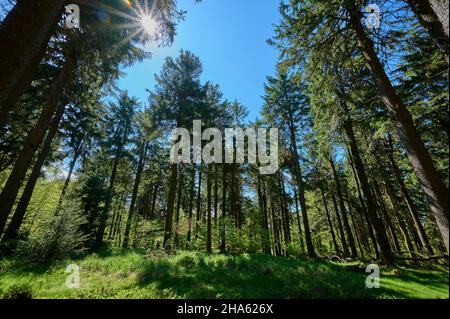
131, 274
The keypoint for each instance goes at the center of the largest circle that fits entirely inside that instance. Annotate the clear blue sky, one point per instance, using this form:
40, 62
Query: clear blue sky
230, 37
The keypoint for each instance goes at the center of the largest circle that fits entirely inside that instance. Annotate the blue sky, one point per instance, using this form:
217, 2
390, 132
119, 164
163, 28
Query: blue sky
230, 37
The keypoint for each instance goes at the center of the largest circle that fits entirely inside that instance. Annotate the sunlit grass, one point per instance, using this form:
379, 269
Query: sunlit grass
131, 274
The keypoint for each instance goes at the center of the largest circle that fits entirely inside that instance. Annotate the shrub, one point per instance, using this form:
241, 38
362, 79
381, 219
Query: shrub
188, 262
56, 237
18, 291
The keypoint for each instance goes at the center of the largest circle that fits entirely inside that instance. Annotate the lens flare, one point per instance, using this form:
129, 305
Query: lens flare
148, 23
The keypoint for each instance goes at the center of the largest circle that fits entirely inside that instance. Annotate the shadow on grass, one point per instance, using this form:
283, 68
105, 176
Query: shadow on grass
194, 275
430, 283
252, 276
259, 276
107, 251
16, 264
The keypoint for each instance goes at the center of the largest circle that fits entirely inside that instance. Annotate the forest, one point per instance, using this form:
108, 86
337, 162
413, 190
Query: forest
92, 206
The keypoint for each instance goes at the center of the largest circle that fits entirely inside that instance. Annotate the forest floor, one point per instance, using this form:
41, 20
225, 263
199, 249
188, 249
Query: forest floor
132, 274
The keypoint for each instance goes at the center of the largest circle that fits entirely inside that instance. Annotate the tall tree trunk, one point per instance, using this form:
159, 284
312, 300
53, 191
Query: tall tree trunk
105, 211
34, 138
378, 228
365, 234
208, 212
137, 180
421, 161
341, 229
372, 235
387, 218
199, 201
239, 214
263, 212
355, 229
391, 195
155, 197
350, 206
12, 231
301, 189
287, 219
216, 194
177, 211
333, 236
343, 210
299, 224
190, 209
146, 205
170, 205
363, 204
24, 35
117, 232
115, 217
76, 154
433, 15
425, 242
120, 210
282, 221
276, 233
233, 211
224, 210
396, 210
308, 239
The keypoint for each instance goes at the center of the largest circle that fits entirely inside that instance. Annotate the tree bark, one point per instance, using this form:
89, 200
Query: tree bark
341, 229
104, 213
276, 233
284, 211
191, 206
299, 224
423, 238
154, 198
199, 202
24, 35
12, 231
387, 218
433, 15
363, 204
170, 205
115, 217
333, 236
177, 212
76, 154
395, 208
355, 229
137, 180
421, 161
301, 190
224, 210
343, 210
263, 211
208, 211
35, 137
216, 194
378, 228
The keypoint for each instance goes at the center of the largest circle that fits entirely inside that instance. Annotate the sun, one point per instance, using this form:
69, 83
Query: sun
148, 23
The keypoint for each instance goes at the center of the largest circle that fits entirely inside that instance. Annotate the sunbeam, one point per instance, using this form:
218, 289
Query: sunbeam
148, 23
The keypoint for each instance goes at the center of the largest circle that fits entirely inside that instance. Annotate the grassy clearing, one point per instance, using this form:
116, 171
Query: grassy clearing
131, 274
